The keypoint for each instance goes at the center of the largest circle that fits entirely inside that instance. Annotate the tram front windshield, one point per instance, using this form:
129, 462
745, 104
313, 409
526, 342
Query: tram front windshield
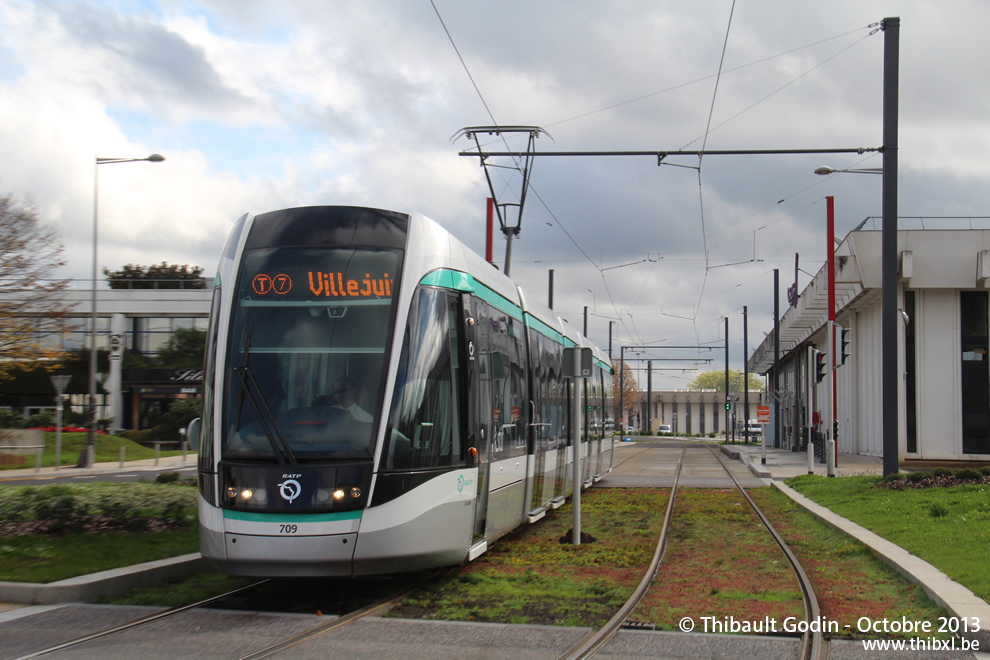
307, 352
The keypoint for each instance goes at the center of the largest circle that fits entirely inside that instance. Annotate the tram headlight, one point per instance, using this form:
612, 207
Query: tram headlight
259, 496
338, 494
355, 492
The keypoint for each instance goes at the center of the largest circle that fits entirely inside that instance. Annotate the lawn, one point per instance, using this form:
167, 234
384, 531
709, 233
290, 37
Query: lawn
107, 450
949, 527
49, 558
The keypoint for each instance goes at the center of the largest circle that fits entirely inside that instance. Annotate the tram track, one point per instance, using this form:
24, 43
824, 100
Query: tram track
151, 618
328, 625
813, 645
373, 609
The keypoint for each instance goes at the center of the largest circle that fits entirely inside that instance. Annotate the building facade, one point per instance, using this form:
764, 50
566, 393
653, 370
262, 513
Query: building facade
141, 321
943, 347
697, 412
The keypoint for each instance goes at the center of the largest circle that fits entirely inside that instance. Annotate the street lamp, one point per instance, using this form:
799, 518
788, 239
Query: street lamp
825, 169
86, 457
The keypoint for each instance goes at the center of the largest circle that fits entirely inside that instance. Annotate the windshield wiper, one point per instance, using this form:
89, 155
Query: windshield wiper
283, 453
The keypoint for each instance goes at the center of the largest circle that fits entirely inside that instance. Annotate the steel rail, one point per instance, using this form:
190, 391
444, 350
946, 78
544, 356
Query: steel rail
596, 639
812, 643
139, 622
373, 609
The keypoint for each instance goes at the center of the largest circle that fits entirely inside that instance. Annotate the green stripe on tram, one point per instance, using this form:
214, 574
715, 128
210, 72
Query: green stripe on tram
248, 516
453, 279
544, 329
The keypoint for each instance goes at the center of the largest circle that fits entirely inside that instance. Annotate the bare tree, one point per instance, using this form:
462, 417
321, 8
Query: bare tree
32, 313
625, 382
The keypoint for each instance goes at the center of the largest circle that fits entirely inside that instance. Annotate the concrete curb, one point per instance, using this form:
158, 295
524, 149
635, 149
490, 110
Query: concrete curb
91, 588
957, 600
737, 454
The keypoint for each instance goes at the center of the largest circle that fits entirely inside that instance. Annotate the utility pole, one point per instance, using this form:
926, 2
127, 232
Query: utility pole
776, 357
745, 375
550, 293
728, 403
888, 260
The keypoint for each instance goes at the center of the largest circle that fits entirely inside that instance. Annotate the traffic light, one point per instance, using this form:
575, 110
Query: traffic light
821, 366
844, 346
728, 405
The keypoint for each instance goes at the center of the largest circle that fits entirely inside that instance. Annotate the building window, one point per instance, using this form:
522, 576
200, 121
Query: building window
910, 374
973, 315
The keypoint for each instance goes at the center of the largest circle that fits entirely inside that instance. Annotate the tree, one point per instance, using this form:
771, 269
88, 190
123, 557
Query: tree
184, 350
715, 380
31, 310
627, 383
178, 416
162, 276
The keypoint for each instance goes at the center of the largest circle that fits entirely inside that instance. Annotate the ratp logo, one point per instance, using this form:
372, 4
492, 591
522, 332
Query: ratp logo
289, 490
462, 483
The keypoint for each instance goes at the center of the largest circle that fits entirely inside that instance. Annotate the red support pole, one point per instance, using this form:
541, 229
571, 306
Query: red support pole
830, 206
488, 231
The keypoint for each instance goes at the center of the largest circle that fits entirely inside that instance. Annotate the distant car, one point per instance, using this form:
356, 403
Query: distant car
664, 429
755, 429
630, 429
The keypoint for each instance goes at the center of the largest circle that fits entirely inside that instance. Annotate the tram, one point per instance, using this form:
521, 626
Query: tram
377, 398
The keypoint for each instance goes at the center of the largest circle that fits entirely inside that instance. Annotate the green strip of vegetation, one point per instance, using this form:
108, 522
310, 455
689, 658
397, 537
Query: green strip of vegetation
532, 577
949, 527
55, 532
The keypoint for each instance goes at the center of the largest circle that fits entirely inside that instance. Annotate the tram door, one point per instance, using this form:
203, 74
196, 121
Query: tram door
478, 396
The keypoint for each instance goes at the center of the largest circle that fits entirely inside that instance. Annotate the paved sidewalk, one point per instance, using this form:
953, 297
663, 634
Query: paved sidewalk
784, 464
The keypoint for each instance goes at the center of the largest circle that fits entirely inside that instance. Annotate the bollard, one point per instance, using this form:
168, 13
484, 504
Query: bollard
811, 458
158, 451
184, 446
830, 457
37, 461
122, 450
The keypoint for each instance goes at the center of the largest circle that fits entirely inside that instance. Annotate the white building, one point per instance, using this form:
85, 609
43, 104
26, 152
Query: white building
943, 398
696, 412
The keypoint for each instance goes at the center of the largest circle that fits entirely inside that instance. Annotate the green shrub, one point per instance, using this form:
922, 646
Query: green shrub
123, 515
968, 473
897, 476
62, 512
920, 475
985, 470
10, 419
40, 419
937, 510
167, 478
174, 513
942, 472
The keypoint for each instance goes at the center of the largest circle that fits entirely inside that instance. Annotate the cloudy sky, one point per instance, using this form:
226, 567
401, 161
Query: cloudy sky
259, 105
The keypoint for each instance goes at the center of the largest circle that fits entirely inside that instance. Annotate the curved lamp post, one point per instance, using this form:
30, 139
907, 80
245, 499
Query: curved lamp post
86, 457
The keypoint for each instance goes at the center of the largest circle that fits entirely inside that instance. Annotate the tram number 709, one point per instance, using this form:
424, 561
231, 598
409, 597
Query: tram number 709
287, 529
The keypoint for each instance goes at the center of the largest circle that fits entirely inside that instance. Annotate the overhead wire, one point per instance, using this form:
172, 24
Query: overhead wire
491, 115
703, 78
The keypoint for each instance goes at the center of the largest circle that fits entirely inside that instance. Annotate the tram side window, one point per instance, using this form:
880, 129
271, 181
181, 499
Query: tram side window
508, 386
424, 427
